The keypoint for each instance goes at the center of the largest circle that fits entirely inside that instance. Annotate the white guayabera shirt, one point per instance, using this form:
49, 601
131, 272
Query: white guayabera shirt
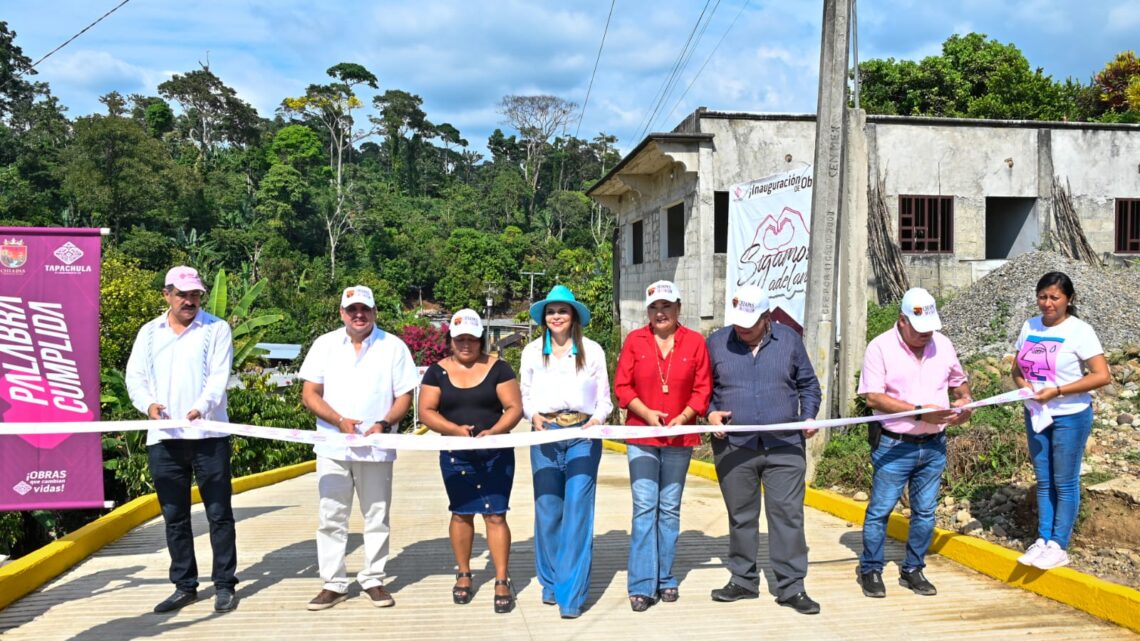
183, 372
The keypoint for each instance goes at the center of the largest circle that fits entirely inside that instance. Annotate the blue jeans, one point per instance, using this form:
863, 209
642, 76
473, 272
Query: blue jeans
897, 465
565, 480
657, 479
1056, 454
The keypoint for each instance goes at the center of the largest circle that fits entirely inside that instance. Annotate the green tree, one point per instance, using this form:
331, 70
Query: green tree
117, 176
332, 106
1118, 88
212, 113
974, 77
537, 119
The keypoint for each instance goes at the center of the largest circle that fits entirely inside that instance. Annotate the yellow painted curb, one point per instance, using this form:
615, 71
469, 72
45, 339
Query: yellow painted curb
29, 572
1109, 601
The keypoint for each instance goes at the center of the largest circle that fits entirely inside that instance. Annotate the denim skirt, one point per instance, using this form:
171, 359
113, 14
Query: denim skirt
478, 481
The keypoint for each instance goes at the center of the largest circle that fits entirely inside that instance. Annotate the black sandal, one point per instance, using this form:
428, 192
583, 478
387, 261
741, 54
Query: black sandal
639, 603
504, 603
460, 594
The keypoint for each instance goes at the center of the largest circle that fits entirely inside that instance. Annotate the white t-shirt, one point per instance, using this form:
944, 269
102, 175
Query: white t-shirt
1050, 356
359, 386
560, 386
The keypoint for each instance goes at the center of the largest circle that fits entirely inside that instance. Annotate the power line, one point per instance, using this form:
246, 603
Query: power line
595, 71
688, 56
81, 32
657, 97
706, 62
660, 97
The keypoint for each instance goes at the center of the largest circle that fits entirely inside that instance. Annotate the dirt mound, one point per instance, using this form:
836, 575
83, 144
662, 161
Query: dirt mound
986, 317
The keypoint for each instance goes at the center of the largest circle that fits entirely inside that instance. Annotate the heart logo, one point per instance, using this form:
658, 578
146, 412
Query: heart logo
777, 235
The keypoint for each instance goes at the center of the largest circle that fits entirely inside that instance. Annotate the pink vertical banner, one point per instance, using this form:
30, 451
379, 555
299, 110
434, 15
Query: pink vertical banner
49, 366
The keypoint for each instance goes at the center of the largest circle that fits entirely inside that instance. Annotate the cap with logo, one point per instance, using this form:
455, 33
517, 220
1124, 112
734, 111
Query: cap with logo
748, 304
920, 310
466, 322
662, 290
357, 294
184, 279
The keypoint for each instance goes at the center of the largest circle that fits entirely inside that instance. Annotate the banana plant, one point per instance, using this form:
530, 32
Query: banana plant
248, 329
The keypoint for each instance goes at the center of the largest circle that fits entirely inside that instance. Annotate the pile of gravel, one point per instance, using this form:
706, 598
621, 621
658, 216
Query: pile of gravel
986, 317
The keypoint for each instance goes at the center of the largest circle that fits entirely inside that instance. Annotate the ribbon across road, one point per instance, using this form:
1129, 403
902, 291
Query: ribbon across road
437, 442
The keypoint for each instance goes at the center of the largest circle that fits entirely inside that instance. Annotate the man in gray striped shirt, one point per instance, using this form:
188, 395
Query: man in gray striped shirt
762, 375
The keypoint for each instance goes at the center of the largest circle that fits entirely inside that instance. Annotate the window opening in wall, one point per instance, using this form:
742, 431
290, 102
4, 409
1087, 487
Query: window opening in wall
675, 230
638, 238
926, 224
1128, 225
1011, 227
720, 222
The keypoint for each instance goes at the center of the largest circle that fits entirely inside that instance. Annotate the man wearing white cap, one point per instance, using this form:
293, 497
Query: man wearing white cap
359, 379
762, 375
909, 367
178, 368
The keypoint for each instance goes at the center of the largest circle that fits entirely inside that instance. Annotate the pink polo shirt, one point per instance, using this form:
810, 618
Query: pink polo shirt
891, 368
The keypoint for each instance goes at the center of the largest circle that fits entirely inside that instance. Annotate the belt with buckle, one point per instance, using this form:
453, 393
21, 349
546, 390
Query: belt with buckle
567, 418
910, 438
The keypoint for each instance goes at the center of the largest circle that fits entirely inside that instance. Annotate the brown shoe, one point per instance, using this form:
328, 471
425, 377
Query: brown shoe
326, 599
380, 597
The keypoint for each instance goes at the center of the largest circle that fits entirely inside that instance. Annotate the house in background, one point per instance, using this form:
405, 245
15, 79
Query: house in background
963, 195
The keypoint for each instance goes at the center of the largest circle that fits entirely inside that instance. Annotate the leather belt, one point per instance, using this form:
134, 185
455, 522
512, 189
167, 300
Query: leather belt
567, 418
910, 438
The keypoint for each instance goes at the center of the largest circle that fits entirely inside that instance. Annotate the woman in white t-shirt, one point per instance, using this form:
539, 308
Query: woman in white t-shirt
1053, 352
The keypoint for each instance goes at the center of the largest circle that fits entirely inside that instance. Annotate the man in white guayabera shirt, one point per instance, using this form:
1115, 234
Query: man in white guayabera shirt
178, 369
359, 379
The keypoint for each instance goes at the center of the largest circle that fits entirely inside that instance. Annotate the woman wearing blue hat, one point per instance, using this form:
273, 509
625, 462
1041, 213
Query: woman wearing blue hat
564, 384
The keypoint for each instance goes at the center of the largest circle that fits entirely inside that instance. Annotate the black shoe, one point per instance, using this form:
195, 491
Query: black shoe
639, 602
801, 603
872, 583
914, 580
733, 592
225, 601
180, 598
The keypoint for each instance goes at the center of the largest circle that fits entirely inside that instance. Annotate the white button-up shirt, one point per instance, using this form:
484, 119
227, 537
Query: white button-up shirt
560, 386
182, 372
360, 386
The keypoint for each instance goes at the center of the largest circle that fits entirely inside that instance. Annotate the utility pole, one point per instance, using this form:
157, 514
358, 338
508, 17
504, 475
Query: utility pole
532, 275
830, 143
531, 299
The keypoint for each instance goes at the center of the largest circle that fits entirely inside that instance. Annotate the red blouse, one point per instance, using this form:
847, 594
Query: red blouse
687, 373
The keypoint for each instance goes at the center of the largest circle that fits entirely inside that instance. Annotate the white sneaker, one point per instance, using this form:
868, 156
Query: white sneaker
1052, 557
1032, 553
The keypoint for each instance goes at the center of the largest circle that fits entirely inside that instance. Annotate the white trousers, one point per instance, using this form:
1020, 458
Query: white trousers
336, 483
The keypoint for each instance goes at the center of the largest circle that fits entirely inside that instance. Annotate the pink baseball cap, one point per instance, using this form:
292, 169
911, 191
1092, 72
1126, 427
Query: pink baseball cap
184, 279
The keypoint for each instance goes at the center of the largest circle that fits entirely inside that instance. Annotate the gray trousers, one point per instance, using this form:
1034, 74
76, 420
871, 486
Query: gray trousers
781, 470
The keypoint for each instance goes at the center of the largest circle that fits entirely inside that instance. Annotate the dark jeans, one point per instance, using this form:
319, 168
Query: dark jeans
172, 464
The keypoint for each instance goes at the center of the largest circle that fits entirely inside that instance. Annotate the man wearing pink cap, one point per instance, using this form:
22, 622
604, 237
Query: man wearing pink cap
178, 369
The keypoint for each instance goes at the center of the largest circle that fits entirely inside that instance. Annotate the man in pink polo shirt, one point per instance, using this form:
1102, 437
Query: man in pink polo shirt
908, 367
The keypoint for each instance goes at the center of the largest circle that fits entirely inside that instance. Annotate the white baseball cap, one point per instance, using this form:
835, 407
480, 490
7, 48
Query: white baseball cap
748, 304
662, 290
920, 310
466, 321
357, 294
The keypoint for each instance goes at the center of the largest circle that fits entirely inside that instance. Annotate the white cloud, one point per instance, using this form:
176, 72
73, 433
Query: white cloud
1124, 18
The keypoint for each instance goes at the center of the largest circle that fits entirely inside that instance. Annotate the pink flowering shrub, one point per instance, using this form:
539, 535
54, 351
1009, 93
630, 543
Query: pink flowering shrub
429, 345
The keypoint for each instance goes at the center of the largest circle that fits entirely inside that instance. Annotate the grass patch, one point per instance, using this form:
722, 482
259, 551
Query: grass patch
846, 460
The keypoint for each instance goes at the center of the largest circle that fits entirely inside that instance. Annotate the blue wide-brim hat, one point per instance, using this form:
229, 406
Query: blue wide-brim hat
559, 294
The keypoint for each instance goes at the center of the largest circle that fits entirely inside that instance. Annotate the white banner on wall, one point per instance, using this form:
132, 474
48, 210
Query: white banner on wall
769, 221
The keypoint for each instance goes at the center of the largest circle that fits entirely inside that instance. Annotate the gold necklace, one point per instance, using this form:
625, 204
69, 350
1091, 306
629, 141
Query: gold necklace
664, 376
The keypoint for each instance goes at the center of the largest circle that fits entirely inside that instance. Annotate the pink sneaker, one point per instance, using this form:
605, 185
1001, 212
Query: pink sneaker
1032, 553
1052, 557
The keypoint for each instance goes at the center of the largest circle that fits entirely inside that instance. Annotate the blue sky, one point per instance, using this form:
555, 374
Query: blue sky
462, 56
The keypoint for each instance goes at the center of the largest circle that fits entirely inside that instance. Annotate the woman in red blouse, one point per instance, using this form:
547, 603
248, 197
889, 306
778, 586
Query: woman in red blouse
663, 379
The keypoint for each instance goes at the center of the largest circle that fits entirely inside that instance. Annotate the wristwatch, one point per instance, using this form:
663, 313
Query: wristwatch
384, 425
